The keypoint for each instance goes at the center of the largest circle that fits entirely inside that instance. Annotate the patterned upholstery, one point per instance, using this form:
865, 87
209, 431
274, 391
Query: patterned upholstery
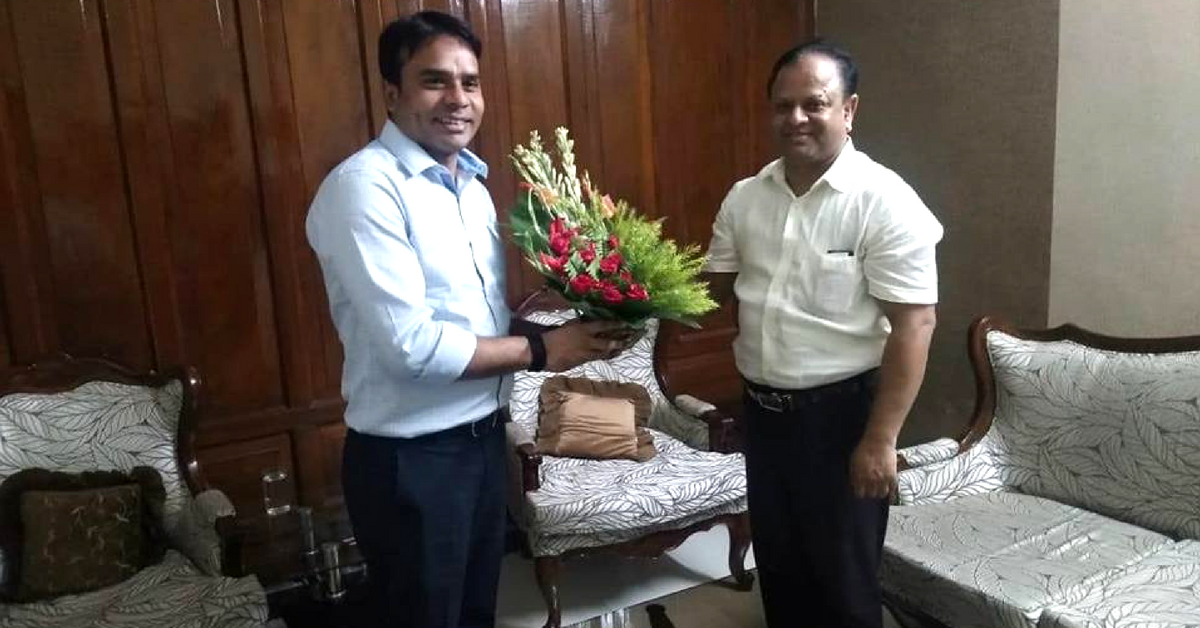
1064, 512
105, 425
1159, 591
171, 593
1115, 433
588, 503
997, 559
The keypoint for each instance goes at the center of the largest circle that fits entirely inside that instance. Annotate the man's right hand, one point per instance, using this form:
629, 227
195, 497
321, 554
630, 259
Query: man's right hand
576, 342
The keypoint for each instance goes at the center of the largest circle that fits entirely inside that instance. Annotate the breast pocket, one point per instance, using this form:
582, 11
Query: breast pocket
837, 283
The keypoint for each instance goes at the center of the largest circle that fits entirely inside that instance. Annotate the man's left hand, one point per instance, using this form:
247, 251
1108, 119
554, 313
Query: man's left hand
873, 469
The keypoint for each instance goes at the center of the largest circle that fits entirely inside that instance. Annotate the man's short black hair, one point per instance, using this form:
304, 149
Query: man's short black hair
846, 66
405, 36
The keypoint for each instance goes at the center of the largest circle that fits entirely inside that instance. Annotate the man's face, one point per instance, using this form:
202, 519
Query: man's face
438, 103
811, 116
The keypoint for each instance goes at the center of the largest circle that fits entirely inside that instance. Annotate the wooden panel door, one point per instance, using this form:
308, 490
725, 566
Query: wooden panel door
157, 158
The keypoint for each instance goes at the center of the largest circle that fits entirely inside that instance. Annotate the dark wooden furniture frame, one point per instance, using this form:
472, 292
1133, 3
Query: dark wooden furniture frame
721, 434
62, 372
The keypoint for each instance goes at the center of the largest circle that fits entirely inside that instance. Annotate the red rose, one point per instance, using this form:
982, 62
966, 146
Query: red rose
588, 253
560, 243
613, 242
582, 284
556, 264
626, 276
612, 294
611, 263
636, 292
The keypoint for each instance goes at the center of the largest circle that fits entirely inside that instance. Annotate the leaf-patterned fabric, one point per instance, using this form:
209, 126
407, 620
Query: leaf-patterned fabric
1160, 590
998, 559
169, 594
588, 503
1065, 513
104, 425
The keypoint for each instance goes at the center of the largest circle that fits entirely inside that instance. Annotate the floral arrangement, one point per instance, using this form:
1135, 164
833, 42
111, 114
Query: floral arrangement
606, 260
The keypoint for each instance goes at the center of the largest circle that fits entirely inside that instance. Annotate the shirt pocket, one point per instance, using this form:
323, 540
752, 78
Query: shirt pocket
837, 282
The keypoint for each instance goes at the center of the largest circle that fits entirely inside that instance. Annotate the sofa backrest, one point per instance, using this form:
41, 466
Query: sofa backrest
98, 425
1113, 432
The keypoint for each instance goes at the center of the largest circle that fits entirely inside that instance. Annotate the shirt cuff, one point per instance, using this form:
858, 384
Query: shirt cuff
454, 351
910, 296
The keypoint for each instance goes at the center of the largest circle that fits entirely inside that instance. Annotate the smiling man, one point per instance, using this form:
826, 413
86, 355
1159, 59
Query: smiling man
407, 240
831, 257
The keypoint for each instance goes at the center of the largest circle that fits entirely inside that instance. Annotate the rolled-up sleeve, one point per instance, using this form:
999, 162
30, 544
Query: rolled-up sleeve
900, 261
359, 232
722, 254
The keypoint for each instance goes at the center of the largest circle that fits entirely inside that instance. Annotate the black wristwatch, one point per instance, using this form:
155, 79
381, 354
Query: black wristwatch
537, 349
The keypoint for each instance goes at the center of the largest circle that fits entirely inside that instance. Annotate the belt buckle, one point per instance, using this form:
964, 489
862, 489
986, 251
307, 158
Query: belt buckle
774, 402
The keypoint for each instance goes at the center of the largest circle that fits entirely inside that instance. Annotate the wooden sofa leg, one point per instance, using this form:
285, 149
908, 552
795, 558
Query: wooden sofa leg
739, 542
546, 568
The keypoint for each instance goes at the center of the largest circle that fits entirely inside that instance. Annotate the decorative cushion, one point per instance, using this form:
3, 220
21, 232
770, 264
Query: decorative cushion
1115, 433
589, 419
998, 559
67, 532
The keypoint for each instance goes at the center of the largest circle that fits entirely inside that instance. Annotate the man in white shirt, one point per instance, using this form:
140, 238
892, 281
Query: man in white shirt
413, 264
831, 257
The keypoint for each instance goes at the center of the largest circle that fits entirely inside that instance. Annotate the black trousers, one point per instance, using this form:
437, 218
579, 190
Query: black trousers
817, 546
428, 516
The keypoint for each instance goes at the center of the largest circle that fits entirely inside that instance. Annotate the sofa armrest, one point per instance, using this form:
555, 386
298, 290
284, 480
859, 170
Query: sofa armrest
972, 472
206, 534
721, 427
927, 453
528, 457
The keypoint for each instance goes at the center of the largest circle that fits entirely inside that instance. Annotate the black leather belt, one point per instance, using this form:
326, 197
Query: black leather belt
784, 400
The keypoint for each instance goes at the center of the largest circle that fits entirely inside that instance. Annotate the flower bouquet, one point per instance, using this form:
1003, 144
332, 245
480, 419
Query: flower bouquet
605, 259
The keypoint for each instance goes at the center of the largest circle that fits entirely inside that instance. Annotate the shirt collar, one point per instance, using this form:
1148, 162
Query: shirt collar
839, 175
415, 160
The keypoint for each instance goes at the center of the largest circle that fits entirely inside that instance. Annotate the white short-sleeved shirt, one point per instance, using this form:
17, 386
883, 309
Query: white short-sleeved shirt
810, 268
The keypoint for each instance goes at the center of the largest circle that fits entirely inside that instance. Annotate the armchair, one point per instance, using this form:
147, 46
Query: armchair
573, 507
77, 415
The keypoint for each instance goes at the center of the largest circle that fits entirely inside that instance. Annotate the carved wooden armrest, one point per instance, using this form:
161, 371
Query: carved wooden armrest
232, 536
531, 459
721, 427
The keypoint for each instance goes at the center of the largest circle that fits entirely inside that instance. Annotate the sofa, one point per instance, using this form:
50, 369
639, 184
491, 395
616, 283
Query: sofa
77, 415
1071, 500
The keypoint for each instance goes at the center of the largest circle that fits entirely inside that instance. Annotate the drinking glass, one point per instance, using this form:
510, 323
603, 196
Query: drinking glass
277, 494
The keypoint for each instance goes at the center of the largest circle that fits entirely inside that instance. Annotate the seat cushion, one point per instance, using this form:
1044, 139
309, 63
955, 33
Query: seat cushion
171, 593
1160, 591
579, 496
998, 559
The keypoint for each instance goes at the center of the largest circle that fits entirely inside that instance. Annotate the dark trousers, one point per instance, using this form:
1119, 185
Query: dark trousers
817, 546
428, 516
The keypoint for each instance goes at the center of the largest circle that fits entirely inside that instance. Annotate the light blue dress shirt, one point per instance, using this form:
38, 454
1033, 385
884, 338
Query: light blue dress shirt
414, 272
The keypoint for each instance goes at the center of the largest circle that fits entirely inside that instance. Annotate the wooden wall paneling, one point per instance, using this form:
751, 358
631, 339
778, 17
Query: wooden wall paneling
88, 247
24, 281
373, 15
319, 477
145, 147
608, 74
237, 468
496, 138
220, 256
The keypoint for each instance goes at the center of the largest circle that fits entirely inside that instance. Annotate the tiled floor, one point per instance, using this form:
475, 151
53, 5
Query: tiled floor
712, 605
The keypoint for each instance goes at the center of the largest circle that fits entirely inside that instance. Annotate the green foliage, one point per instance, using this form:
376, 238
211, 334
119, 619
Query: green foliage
667, 273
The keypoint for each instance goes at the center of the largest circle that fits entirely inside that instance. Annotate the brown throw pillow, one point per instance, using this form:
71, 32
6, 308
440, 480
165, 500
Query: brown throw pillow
75, 532
582, 418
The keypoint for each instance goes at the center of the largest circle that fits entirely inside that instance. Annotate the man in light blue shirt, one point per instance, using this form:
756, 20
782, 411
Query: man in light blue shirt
406, 236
